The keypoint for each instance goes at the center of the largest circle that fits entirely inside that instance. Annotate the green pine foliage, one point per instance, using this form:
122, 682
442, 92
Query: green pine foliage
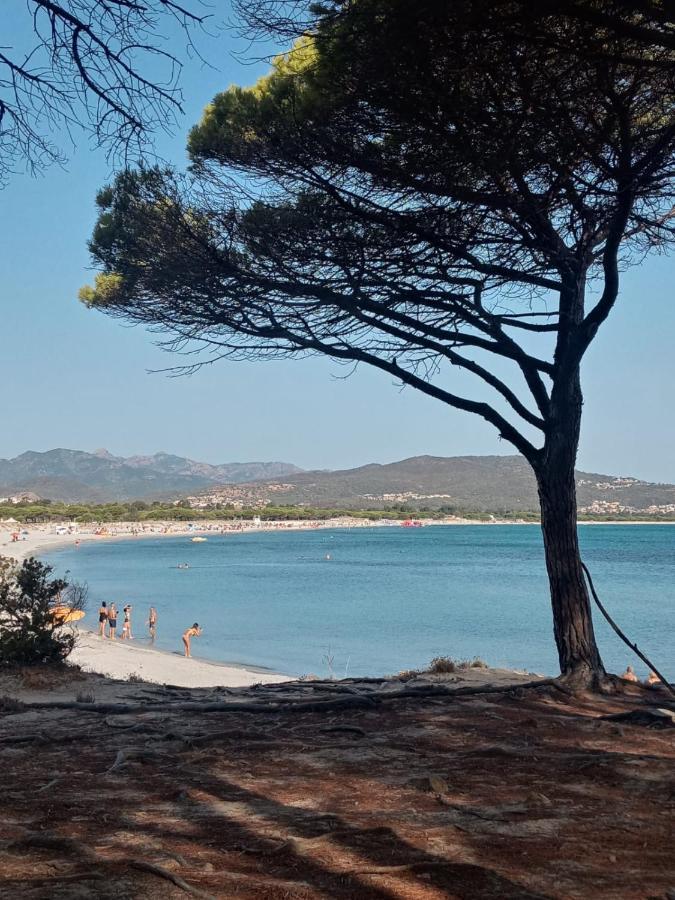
31, 632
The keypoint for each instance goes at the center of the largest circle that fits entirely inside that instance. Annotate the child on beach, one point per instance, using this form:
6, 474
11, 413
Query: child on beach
195, 631
112, 621
629, 674
152, 623
102, 619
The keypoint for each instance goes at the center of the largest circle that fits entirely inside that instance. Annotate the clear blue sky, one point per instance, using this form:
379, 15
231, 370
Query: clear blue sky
73, 378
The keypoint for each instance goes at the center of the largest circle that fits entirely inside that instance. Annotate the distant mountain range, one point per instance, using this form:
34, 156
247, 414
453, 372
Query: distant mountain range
492, 484
480, 483
77, 476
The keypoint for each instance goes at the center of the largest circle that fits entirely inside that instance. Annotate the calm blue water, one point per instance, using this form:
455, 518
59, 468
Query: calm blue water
389, 598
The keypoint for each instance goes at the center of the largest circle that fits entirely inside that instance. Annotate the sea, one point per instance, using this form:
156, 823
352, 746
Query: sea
375, 601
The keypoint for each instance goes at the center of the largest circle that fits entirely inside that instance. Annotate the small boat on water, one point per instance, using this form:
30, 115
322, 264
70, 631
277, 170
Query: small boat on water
199, 540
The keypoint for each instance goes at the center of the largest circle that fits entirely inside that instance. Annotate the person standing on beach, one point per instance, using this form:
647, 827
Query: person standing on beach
152, 623
102, 619
194, 631
126, 625
112, 621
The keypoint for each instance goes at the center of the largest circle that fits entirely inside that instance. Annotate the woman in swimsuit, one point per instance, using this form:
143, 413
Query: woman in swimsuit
102, 619
112, 621
152, 624
126, 627
195, 631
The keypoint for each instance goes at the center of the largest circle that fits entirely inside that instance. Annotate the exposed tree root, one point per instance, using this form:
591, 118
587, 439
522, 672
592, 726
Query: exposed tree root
138, 754
439, 690
351, 702
161, 872
650, 717
82, 853
420, 866
348, 729
268, 851
50, 784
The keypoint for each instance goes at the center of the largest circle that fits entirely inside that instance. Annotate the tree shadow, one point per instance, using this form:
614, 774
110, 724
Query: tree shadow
284, 858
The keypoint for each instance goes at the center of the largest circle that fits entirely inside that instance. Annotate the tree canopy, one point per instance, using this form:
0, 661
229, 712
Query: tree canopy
98, 63
428, 185
425, 188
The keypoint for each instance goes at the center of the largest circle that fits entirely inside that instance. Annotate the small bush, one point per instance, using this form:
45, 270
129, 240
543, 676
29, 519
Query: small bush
10, 704
31, 631
439, 665
478, 663
85, 697
135, 678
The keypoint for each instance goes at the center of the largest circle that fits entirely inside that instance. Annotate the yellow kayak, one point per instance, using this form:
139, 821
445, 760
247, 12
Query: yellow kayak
198, 540
67, 614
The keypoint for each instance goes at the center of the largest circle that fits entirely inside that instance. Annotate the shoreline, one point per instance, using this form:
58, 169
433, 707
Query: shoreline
41, 538
129, 660
121, 660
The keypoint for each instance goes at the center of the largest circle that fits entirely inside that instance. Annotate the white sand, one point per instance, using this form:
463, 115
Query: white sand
120, 659
37, 540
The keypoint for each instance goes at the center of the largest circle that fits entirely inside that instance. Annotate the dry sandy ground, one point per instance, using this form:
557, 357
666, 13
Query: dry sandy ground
423, 789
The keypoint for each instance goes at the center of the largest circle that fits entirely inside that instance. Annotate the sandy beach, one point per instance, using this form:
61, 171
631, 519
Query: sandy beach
122, 660
119, 660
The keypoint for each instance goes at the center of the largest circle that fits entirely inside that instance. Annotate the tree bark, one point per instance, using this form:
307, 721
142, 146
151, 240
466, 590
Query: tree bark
572, 621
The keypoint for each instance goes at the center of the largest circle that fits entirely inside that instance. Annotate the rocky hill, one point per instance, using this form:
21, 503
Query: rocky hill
77, 476
479, 483
494, 484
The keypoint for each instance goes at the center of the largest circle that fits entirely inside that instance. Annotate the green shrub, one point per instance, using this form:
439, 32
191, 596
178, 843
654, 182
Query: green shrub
30, 632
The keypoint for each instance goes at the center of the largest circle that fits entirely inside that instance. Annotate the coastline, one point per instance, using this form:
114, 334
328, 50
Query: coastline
121, 660
132, 660
41, 538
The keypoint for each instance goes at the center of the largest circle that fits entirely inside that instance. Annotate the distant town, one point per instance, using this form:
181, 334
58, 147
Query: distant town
475, 485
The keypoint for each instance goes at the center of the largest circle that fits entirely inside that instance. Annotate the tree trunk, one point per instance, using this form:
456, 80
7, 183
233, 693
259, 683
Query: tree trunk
572, 622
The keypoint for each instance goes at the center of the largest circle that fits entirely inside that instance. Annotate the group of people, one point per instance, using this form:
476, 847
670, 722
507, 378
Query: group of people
107, 625
107, 622
650, 680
